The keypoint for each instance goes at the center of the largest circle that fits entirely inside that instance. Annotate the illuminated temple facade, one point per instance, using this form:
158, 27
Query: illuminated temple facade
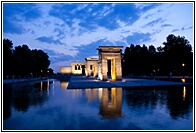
106, 67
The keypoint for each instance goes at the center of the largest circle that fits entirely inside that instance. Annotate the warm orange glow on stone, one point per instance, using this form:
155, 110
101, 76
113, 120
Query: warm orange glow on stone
113, 69
94, 71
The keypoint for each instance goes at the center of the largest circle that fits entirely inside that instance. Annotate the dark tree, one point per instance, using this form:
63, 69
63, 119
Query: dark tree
40, 61
152, 49
175, 56
50, 71
160, 49
136, 60
178, 51
7, 57
22, 61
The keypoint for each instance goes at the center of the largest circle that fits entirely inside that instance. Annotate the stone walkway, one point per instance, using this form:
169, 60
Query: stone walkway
8, 81
163, 77
82, 82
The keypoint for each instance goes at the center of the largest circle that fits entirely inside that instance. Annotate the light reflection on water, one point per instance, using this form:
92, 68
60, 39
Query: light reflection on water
111, 103
51, 106
184, 93
183, 80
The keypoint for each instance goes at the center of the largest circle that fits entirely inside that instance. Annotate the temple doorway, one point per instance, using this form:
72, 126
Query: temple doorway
109, 69
83, 69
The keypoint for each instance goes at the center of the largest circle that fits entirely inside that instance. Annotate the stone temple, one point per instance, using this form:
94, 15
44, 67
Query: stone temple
106, 67
91, 67
109, 63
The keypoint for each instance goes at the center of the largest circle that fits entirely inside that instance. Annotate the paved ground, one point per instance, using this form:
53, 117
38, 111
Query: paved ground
58, 77
163, 77
81, 82
7, 81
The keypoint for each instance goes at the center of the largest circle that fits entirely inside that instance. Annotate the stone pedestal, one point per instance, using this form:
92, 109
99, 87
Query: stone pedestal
109, 54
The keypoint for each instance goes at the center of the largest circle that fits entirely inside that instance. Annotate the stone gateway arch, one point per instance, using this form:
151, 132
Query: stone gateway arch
109, 63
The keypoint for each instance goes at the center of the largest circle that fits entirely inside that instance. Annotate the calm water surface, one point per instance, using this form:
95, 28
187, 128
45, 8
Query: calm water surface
51, 106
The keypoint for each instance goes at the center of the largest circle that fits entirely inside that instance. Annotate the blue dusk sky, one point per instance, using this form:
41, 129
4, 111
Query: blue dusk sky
70, 32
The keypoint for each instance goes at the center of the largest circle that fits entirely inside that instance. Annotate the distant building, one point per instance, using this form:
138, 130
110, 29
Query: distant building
65, 70
75, 68
89, 68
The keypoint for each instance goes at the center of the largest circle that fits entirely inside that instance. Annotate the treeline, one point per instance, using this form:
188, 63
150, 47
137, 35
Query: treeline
21, 62
174, 57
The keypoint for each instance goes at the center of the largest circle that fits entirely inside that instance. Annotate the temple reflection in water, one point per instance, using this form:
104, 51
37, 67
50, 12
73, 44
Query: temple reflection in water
64, 84
110, 100
96, 108
91, 94
111, 103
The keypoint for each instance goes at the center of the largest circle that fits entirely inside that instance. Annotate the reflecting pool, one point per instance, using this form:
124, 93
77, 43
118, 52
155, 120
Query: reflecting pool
50, 105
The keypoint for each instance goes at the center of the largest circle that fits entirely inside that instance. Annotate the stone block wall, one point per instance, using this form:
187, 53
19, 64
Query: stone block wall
112, 53
65, 70
91, 66
76, 67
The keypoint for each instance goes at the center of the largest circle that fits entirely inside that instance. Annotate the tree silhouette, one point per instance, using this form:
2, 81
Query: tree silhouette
40, 61
176, 51
22, 61
7, 57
